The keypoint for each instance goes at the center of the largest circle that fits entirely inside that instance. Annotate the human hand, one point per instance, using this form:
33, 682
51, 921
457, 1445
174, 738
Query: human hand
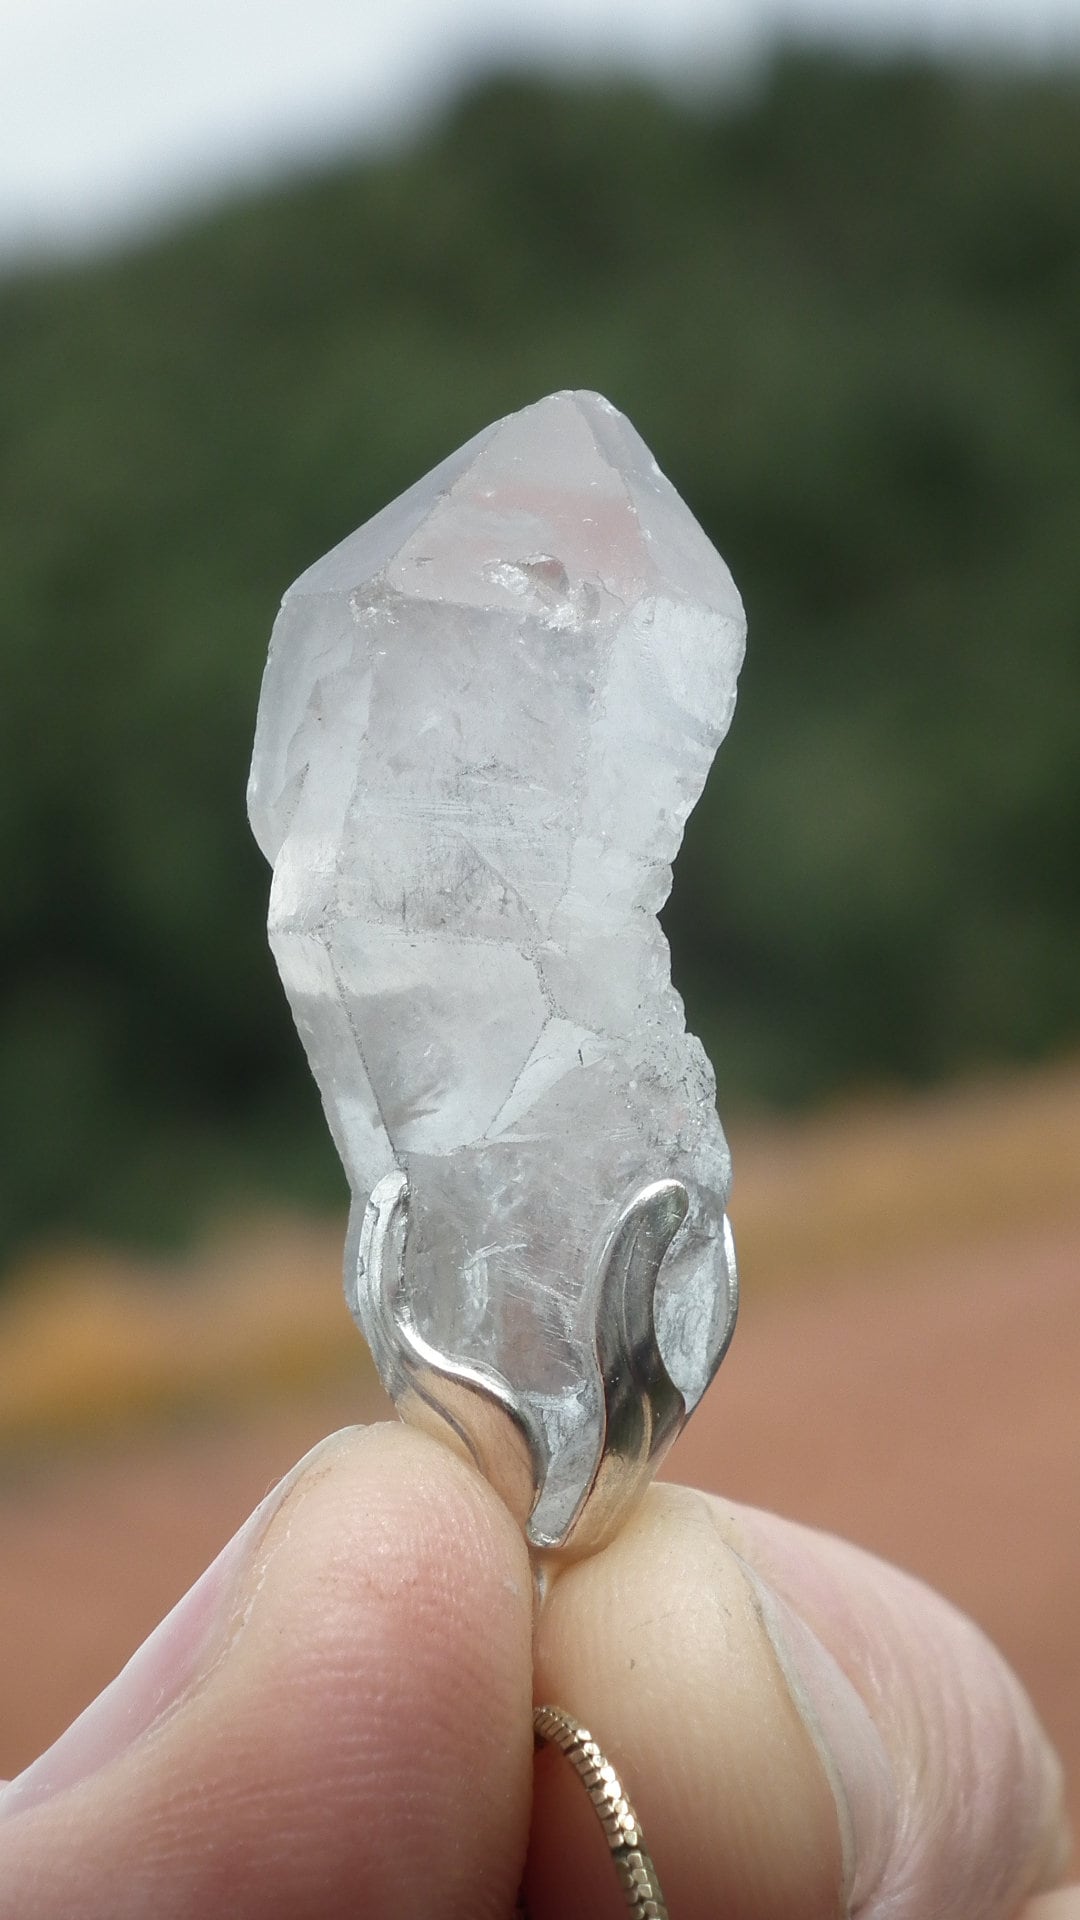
337, 1721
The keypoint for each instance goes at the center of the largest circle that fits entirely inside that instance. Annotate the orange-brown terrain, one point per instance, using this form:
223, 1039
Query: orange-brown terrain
906, 1371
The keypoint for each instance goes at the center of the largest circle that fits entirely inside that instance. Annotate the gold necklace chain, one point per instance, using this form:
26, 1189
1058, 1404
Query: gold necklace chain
635, 1869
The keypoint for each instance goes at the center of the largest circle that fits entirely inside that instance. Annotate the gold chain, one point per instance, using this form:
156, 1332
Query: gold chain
635, 1869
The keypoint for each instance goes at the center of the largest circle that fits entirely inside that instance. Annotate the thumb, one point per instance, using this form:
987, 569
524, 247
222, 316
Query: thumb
804, 1731
335, 1720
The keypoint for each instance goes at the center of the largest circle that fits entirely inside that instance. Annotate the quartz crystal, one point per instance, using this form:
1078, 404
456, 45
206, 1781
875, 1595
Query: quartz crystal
484, 720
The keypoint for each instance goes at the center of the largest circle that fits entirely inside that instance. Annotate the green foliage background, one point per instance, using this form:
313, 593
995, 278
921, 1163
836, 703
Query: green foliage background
844, 311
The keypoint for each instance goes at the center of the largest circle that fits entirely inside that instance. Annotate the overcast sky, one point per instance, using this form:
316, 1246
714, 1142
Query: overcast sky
114, 111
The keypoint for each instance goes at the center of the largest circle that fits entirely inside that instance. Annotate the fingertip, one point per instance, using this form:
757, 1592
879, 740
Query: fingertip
657, 1645
408, 1592
978, 1790
358, 1735
801, 1728
1062, 1905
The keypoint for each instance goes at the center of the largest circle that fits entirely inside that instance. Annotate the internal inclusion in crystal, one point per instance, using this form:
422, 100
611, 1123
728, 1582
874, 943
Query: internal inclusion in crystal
484, 721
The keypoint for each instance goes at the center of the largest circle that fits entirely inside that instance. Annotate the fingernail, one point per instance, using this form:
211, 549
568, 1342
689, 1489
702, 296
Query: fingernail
849, 1745
167, 1667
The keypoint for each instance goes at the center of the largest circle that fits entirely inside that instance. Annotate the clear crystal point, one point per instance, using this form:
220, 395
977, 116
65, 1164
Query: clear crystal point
484, 720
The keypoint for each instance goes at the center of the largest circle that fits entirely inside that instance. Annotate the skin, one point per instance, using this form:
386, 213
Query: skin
338, 1721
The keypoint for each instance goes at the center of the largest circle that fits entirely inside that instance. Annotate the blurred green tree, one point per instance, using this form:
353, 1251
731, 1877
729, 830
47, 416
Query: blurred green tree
845, 312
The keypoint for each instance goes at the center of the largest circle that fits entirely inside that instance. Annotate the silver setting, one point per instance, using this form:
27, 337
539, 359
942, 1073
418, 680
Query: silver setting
470, 1406
478, 1412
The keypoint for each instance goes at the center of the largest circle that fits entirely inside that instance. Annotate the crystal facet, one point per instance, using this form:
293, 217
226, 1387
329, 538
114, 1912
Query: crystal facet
484, 720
